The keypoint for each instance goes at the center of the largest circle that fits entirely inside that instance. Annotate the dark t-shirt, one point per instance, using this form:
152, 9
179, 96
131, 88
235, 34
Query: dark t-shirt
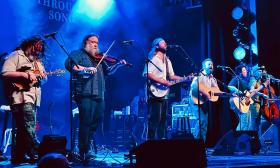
90, 84
243, 83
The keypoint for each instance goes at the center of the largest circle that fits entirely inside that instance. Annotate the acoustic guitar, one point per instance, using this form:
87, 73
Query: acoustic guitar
214, 92
242, 103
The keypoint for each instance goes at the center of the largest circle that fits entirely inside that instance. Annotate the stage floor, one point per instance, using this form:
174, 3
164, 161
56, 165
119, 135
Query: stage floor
108, 159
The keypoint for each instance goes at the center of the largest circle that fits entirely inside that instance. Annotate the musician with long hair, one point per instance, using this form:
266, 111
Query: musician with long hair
238, 85
24, 70
159, 71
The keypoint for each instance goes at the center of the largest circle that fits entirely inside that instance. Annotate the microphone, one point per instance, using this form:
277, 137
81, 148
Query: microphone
222, 67
173, 46
129, 42
50, 34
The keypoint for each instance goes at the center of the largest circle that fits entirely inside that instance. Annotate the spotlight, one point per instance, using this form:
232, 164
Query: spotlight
237, 13
242, 14
239, 53
254, 48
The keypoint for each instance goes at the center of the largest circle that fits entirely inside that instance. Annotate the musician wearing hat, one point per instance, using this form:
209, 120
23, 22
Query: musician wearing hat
256, 85
159, 72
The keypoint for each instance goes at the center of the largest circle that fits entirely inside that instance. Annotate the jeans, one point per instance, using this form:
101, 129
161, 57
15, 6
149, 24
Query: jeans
203, 121
90, 116
255, 117
244, 121
157, 118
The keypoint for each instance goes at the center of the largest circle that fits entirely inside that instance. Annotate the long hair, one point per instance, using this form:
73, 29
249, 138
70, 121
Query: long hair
32, 41
87, 37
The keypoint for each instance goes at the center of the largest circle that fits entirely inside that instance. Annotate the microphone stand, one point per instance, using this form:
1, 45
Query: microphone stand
50, 117
70, 87
147, 61
187, 57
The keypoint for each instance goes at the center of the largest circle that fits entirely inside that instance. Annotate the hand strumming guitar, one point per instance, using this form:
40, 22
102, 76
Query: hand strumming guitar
165, 82
31, 77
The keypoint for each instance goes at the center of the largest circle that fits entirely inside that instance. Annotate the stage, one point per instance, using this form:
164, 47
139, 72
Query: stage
106, 158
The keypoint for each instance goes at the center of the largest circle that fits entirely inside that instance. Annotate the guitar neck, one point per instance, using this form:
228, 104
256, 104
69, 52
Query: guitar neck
256, 91
175, 82
223, 94
188, 78
56, 72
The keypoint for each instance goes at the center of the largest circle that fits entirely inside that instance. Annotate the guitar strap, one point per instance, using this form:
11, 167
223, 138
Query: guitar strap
166, 64
36, 66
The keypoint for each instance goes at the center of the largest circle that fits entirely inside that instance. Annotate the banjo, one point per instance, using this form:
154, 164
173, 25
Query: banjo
159, 90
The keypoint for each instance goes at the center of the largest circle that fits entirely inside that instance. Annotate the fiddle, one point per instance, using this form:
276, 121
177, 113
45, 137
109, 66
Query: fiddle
107, 58
100, 57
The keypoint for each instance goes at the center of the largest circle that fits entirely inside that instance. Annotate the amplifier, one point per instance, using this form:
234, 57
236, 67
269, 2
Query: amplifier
182, 110
183, 118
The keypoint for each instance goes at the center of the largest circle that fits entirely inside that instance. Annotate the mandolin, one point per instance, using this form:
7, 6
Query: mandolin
26, 86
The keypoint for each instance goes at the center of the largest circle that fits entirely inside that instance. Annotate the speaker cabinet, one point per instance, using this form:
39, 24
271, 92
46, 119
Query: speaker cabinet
52, 143
171, 153
270, 139
238, 143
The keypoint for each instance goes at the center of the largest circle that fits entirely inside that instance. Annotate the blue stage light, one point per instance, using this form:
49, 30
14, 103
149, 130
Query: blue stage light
94, 11
239, 53
237, 13
254, 48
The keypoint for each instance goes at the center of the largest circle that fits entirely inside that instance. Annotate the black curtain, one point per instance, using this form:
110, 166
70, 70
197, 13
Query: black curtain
268, 28
219, 46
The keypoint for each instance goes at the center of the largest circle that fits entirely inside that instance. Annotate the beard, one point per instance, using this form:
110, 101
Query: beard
91, 51
163, 50
31, 58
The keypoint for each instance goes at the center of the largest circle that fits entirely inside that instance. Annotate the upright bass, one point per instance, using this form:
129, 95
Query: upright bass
269, 107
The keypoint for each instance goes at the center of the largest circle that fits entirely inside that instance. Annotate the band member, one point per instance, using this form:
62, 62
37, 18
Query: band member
206, 81
139, 104
160, 71
139, 110
256, 84
88, 89
238, 85
24, 69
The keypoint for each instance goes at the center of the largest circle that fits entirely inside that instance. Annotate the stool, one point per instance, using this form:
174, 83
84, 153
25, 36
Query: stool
182, 124
7, 140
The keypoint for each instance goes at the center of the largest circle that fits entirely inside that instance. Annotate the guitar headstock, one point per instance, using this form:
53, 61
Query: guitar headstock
57, 72
189, 77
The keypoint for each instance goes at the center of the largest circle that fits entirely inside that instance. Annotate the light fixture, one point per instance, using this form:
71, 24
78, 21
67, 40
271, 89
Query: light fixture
239, 53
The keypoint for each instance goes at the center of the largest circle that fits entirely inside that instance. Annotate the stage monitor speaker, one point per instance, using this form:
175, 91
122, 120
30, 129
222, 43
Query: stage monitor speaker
52, 144
270, 139
238, 143
171, 153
